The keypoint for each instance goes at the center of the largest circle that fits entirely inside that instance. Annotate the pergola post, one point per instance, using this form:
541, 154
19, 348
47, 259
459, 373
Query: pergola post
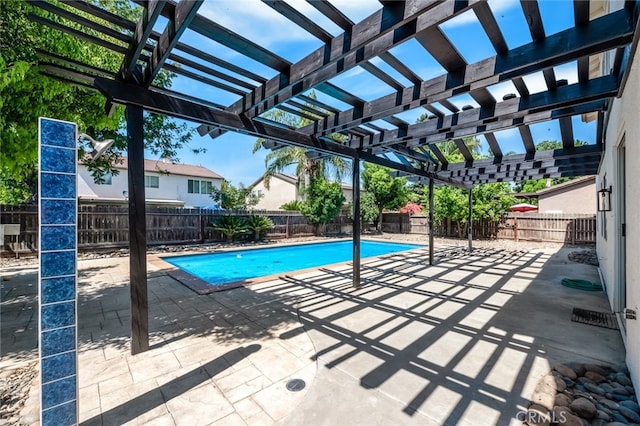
470, 220
356, 222
137, 231
431, 221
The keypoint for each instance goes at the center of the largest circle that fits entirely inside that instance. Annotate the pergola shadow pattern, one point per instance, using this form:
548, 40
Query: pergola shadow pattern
409, 148
439, 341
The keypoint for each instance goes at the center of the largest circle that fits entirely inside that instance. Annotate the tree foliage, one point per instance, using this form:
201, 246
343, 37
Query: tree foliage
368, 209
324, 201
259, 225
292, 206
229, 197
534, 185
277, 161
388, 192
26, 94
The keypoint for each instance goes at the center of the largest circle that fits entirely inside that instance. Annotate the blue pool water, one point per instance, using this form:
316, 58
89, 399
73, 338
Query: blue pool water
239, 265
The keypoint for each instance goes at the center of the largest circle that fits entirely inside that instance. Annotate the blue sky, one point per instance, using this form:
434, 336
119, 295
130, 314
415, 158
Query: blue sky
230, 155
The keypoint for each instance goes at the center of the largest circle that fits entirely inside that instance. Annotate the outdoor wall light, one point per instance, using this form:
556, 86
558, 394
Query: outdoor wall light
604, 199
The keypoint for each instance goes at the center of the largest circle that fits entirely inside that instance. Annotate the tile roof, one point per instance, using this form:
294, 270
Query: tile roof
159, 166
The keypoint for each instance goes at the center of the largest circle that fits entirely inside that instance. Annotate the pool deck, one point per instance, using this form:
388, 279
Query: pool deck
463, 342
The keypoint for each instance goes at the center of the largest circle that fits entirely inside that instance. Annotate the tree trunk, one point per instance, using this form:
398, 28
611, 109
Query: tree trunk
379, 226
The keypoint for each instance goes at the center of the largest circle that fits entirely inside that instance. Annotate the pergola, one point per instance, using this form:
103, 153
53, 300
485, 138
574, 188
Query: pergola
410, 149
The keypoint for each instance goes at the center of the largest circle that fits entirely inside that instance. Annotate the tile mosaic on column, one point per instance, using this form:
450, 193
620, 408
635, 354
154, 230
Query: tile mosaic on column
58, 272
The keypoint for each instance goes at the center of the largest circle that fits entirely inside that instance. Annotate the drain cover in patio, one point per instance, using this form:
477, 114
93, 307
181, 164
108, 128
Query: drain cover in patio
600, 319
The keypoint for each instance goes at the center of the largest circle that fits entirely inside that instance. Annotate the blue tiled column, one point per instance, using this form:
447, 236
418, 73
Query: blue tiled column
57, 274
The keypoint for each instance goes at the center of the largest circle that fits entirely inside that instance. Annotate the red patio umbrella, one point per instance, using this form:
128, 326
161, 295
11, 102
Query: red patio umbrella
523, 207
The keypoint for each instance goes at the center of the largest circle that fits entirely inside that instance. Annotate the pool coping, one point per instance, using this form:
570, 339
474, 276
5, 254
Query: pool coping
202, 287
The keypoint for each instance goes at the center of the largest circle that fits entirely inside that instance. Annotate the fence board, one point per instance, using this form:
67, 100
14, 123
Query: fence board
107, 226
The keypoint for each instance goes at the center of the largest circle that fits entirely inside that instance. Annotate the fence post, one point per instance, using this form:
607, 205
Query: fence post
202, 226
515, 228
573, 232
286, 227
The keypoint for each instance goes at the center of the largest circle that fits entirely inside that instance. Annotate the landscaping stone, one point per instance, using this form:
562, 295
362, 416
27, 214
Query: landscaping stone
630, 414
566, 371
562, 400
538, 415
14, 391
630, 405
599, 396
583, 408
595, 377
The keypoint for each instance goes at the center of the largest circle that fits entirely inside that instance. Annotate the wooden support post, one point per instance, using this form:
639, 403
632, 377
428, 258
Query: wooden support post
356, 223
470, 229
430, 221
137, 232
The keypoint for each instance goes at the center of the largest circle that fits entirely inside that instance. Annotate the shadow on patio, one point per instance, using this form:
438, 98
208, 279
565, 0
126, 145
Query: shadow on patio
462, 342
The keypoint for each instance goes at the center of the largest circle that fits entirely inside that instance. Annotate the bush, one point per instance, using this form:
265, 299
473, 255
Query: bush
292, 206
231, 226
259, 225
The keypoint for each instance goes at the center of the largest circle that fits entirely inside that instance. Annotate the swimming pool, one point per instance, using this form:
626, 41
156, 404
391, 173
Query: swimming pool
240, 265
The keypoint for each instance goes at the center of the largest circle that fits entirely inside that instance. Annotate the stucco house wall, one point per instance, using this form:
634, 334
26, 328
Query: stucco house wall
617, 254
283, 189
579, 198
172, 186
280, 192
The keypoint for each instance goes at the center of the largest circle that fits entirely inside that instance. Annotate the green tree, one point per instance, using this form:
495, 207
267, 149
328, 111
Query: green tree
324, 201
368, 209
26, 94
387, 191
306, 169
534, 185
229, 197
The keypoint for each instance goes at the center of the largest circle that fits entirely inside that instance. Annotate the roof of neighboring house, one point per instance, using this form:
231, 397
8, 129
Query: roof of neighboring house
573, 182
160, 166
584, 180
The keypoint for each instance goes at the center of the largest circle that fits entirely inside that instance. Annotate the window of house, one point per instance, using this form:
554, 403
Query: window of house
151, 181
106, 179
195, 186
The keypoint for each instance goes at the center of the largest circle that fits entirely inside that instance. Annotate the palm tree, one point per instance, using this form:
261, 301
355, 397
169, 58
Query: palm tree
330, 167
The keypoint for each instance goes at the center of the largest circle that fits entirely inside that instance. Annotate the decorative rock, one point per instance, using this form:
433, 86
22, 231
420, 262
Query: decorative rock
620, 419
620, 391
603, 415
583, 408
597, 369
562, 400
566, 371
611, 405
618, 397
567, 381
571, 420
577, 367
561, 386
607, 387
630, 405
544, 399
623, 379
594, 388
595, 377
583, 380
604, 409
599, 422
630, 414
560, 414
579, 388
631, 390
538, 415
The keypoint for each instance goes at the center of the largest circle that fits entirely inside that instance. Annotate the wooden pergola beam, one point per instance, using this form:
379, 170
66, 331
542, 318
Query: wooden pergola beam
143, 31
509, 113
299, 19
127, 94
527, 139
601, 34
183, 14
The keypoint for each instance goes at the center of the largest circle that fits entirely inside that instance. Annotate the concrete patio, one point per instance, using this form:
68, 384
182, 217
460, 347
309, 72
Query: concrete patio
463, 342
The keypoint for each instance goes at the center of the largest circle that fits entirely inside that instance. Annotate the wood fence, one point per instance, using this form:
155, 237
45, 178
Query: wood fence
108, 226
